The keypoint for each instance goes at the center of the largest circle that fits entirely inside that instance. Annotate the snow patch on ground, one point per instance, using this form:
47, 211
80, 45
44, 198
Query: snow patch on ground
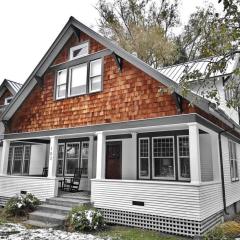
19, 232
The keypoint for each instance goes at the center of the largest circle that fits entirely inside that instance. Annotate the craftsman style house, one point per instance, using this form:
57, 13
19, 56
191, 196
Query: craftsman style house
149, 158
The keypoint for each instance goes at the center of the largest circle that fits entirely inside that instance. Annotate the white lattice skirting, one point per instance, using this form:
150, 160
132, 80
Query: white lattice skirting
163, 224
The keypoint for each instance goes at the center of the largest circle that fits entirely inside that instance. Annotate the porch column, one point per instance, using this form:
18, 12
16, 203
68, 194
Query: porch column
101, 155
4, 159
90, 161
194, 151
53, 151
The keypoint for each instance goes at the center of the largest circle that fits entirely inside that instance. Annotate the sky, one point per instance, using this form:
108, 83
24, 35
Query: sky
29, 27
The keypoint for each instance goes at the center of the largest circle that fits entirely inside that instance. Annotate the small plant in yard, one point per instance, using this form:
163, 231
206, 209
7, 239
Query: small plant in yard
21, 204
86, 219
216, 234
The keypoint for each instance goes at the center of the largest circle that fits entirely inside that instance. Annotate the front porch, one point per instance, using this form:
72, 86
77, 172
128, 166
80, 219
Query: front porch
169, 172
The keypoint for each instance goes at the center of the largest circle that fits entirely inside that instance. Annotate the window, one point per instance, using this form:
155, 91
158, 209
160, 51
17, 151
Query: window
79, 51
72, 157
233, 160
19, 160
144, 155
61, 151
61, 84
183, 158
84, 158
7, 100
163, 157
95, 77
78, 80
81, 79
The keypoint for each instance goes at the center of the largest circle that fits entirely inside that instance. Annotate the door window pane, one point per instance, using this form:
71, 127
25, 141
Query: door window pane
26, 161
163, 158
78, 80
17, 160
60, 159
144, 158
84, 158
72, 157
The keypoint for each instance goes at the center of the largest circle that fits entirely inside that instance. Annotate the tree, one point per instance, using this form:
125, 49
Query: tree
142, 27
221, 38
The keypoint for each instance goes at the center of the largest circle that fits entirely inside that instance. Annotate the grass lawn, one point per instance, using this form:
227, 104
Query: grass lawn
127, 233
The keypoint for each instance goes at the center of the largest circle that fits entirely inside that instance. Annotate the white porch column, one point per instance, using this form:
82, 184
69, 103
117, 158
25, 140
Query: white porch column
134, 152
90, 161
53, 151
4, 159
101, 155
194, 151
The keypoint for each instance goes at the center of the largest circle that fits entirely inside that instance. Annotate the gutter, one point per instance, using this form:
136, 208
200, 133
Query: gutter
222, 170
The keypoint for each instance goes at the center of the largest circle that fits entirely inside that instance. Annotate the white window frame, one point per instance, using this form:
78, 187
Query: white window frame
6, 100
69, 79
235, 177
153, 158
72, 49
65, 165
90, 77
179, 157
84, 175
139, 158
66, 83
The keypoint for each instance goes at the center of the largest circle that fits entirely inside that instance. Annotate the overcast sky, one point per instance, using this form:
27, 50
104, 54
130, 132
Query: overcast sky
28, 28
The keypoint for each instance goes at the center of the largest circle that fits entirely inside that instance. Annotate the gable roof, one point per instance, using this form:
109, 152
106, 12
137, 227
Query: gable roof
71, 27
12, 86
175, 72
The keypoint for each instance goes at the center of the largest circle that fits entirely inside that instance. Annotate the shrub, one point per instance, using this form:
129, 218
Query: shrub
86, 219
216, 234
21, 204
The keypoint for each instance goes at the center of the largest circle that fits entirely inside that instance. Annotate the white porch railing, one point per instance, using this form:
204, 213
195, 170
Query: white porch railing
170, 199
41, 187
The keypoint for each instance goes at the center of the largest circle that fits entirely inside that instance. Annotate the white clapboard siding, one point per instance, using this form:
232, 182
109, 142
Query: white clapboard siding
232, 188
41, 187
210, 199
162, 199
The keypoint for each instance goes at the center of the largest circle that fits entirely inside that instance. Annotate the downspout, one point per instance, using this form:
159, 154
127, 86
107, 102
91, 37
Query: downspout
222, 170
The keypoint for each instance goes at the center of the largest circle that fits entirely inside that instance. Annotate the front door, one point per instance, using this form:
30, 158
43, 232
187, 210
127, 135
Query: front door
114, 160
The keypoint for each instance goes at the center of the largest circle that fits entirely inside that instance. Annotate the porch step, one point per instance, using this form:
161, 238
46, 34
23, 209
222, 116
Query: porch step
81, 198
67, 202
48, 218
54, 209
40, 224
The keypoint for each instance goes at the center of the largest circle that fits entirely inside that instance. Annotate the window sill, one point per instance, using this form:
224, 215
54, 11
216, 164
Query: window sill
78, 95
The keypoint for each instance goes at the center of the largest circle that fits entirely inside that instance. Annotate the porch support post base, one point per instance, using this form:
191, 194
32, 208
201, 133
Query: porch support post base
194, 151
4, 159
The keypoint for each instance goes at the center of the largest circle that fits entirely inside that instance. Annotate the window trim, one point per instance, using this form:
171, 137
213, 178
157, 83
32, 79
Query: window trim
178, 159
72, 49
69, 79
174, 159
233, 179
139, 158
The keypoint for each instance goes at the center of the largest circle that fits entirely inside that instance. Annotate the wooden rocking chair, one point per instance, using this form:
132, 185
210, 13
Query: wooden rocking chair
72, 184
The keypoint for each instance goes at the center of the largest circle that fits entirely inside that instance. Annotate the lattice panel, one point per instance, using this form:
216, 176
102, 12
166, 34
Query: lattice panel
159, 223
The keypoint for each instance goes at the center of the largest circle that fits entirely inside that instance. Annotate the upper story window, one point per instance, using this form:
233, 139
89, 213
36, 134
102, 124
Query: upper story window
79, 51
7, 100
232, 146
78, 80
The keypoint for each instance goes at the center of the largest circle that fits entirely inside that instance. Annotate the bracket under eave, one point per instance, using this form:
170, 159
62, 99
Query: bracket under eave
39, 81
77, 32
178, 101
119, 61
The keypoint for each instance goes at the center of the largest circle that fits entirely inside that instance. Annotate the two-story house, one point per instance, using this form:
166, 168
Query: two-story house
149, 158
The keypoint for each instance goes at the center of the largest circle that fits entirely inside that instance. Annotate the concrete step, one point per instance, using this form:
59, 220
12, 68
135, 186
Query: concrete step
48, 218
54, 209
84, 198
40, 224
66, 202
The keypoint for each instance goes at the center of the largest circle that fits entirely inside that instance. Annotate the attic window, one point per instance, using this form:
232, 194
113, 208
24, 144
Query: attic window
79, 51
7, 100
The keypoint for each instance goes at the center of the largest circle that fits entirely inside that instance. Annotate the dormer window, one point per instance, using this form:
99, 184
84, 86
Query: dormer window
7, 100
61, 84
79, 51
